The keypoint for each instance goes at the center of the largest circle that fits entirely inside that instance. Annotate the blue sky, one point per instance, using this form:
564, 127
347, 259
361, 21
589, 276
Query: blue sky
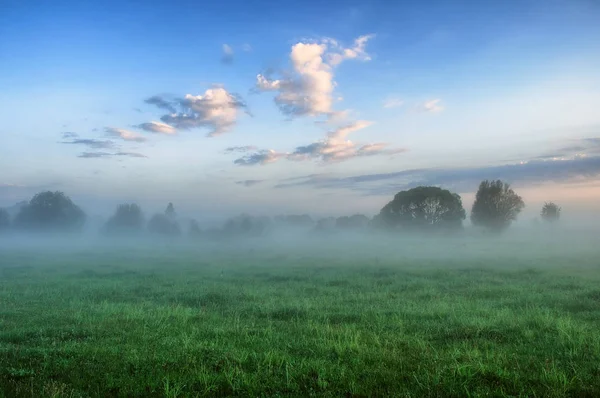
420, 92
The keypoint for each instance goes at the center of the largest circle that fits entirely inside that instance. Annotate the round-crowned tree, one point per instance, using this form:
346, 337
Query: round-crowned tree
496, 205
165, 223
423, 207
550, 212
128, 218
50, 211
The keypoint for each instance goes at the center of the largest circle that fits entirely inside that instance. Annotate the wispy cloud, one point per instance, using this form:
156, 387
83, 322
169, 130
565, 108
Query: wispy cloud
432, 106
334, 148
157, 127
227, 57
216, 109
69, 134
94, 155
161, 103
259, 158
240, 149
125, 135
92, 143
458, 179
247, 47
392, 102
104, 155
249, 183
307, 90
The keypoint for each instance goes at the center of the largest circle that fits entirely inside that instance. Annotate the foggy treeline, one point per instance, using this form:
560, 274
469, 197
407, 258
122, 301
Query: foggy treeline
423, 209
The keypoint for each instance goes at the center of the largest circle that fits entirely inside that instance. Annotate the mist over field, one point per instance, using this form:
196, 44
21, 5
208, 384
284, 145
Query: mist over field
300, 199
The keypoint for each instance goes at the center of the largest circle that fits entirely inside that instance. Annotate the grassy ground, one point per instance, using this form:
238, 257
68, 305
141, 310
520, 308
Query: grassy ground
213, 322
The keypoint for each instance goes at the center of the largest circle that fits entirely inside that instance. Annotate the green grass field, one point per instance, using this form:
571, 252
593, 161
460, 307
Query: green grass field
216, 321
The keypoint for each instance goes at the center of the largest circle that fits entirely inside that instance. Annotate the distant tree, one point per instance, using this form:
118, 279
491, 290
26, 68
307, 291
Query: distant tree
161, 224
423, 207
496, 205
325, 224
550, 212
170, 211
194, 230
4, 220
295, 220
246, 225
165, 223
128, 218
50, 211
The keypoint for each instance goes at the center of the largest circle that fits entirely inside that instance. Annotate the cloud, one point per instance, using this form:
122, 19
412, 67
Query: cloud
131, 154
336, 147
261, 157
96, 155
242, 149
157, 127
307, 90
392, 102
249, 183
125, 135
355, 52
247, 47
161, 103
95, 144
430, 106
217, 109
69, 134
227, 57
459, 179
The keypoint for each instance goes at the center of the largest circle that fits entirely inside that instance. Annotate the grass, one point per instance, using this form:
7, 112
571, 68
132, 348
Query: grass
217, 322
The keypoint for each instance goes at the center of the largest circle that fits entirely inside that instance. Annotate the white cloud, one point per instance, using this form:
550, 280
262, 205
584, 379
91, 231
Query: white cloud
430, 106
308, 91
247, 47
355, 52
125, 135
216, 109
392, 102
157, 127
227, 57
336, 147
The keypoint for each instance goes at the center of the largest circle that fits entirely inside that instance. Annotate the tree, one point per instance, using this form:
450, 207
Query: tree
423, 207
496, 205
50, 211
128, 218
550, 212
194, 230
4, 220
165, 223
170, 211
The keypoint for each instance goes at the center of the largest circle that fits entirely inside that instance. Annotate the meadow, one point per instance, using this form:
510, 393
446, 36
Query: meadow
411, 318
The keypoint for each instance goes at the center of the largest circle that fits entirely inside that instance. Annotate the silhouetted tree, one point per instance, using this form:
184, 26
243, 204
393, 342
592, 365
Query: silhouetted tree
170, 211
246, 225
423, 207
496, 205
550, 212
128, 218
50, 211
295, 220
4, 220
194, 230
356, 221
165, 223
325, 224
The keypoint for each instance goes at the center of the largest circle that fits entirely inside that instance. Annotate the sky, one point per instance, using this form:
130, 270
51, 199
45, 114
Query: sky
326, 108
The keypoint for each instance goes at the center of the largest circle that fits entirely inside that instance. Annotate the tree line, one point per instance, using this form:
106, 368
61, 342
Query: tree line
423, 208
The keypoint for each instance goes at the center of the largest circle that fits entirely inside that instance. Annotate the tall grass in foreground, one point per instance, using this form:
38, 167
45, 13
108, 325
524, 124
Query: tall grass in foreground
255, 323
